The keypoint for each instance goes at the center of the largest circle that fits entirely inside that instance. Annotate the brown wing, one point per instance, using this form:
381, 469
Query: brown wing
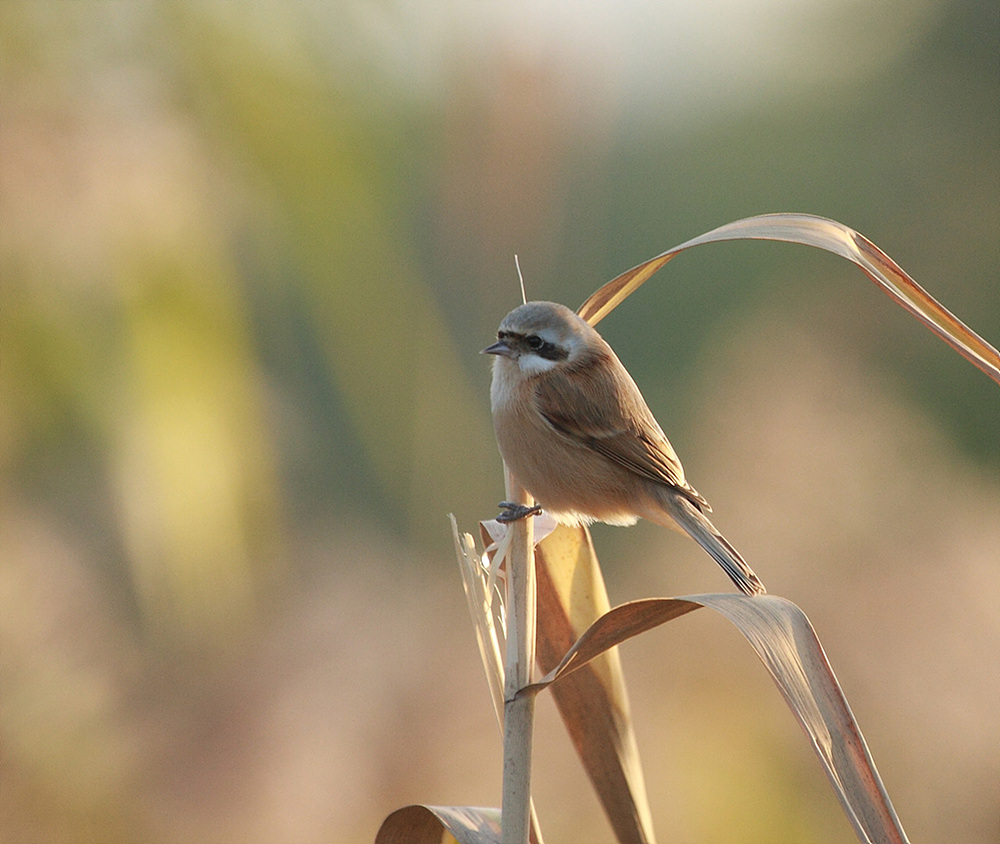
600, 406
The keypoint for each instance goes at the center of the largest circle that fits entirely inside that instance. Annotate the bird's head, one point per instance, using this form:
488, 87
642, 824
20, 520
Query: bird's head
541, 336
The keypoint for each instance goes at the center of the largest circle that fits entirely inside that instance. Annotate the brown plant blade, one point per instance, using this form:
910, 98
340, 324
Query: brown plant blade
486, 608
420, 824
810, 230
593, 702
785, 641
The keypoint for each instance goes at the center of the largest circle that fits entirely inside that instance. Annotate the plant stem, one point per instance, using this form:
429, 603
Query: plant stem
519, 712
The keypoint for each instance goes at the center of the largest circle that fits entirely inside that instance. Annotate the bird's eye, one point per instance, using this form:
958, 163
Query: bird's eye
535, 342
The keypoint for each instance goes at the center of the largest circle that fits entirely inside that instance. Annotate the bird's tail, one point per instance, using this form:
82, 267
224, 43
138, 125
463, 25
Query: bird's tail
697, 525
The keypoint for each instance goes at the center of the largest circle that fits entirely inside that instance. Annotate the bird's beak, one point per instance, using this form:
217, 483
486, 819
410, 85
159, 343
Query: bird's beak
498, 348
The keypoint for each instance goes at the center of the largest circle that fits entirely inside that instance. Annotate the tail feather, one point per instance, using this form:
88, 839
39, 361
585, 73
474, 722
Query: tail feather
697, 525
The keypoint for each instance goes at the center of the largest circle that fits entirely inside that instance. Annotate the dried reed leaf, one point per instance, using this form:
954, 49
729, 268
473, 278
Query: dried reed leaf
834, 237
593, 702
785, 641
486, 609
486, 606
419, 824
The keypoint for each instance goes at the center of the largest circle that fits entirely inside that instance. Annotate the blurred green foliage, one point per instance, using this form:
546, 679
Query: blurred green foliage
250, 253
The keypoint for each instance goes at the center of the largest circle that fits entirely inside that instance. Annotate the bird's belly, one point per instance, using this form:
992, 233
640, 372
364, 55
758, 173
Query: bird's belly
572, 482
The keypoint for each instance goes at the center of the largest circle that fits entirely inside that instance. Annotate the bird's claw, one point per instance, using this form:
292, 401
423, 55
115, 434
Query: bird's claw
513, 512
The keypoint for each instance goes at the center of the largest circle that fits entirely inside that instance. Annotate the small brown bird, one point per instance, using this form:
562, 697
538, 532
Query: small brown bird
576, 432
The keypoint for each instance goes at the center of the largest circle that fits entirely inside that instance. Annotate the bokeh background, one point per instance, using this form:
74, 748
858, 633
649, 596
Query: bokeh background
250, 252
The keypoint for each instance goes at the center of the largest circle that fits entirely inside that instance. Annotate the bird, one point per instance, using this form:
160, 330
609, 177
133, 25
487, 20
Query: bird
576, 432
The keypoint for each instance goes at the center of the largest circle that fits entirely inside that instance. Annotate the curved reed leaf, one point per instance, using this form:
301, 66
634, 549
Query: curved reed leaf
831, 236
486, 609
420, 824
786, 643
593, 702
486, 606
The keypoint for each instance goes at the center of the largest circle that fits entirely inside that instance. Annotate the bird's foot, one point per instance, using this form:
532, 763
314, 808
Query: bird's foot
513, 512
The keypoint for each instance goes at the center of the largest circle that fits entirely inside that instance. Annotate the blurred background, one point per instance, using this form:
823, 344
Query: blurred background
250, 252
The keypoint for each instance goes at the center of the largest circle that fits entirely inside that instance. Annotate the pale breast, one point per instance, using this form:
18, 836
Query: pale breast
571, 481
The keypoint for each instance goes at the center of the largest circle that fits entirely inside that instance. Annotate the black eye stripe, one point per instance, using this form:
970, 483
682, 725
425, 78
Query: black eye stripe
545, 349
542, 348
